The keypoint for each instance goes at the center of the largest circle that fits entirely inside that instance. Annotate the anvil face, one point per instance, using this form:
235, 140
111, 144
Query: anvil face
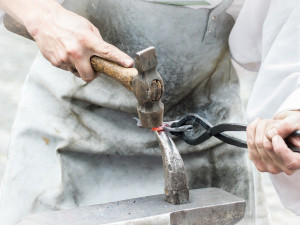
210, 206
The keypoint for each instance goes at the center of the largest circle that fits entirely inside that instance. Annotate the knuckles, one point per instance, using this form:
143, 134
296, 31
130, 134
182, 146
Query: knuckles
257, 162
60, 60
252, 157
259, 143
287, 125
292, 165
261, 168
57, 62
251, 127
250, 143
64, 59
273, 170
107, 49
267, 146
74, 52
288, 172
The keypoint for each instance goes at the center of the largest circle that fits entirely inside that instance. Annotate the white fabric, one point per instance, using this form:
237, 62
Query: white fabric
269, 31
245, 39
235, 8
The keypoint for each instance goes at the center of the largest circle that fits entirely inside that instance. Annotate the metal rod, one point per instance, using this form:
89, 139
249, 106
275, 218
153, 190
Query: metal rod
176, 188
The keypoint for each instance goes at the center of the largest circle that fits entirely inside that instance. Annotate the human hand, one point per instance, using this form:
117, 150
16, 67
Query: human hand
267, 148
68, 41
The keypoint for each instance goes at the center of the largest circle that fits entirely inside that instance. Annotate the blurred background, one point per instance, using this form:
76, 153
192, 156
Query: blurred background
17, 54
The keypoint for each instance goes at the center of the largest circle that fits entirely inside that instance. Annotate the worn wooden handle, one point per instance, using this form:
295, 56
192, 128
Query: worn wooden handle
124, 75
113, 70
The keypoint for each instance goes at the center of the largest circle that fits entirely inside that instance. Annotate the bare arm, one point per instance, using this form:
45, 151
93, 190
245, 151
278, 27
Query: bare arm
66, 39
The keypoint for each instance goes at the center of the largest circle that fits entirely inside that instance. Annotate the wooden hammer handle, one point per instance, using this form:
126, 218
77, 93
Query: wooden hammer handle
121, 74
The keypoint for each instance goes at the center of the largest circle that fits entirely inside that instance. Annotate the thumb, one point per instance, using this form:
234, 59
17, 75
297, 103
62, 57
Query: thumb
290, 159
282, 128
112, 53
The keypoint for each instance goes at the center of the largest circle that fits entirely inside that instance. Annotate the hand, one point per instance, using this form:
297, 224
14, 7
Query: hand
267, 147
68, 41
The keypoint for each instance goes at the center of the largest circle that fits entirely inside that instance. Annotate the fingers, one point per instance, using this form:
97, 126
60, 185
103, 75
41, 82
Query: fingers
283, 128
287, 123
282, 115
85, 70
274, 164
108, 51
259, 140
103, 50
253, 153
264, 148
73, 70
267, 147
293, 141
71, 40
260, 148
112, 53
290, 160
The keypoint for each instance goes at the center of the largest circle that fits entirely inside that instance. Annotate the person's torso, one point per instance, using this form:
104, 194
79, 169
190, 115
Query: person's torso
190, 43
193, 59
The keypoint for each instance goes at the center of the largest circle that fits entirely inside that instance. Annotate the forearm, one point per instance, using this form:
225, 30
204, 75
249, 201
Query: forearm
66, 39
30, 13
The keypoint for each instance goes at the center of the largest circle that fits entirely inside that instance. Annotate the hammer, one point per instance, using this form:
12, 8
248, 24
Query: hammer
144, 80
148, 87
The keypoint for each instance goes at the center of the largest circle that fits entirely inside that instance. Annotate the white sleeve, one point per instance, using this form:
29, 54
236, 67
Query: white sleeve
292, 102
277, 87
246, 36
287, 188
278, 81
235, 8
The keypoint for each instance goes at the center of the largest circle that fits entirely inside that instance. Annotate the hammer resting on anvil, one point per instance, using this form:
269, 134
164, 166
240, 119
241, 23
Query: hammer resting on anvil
148, 87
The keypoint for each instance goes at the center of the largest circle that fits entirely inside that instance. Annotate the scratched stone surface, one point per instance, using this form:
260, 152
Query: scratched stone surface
16, 56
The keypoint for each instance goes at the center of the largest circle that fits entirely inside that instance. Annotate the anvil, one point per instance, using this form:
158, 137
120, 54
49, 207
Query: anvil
209, 206
179, 206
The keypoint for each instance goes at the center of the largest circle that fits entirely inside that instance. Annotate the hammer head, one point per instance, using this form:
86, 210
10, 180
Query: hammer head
148, 88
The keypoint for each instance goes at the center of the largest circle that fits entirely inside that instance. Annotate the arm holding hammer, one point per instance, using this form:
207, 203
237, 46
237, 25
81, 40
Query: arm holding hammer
64, 38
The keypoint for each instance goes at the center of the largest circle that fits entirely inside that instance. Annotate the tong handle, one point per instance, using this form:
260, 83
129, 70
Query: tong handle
295, 134
216, 131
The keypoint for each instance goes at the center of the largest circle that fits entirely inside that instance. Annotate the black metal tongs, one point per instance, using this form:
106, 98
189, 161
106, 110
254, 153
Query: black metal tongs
195, 135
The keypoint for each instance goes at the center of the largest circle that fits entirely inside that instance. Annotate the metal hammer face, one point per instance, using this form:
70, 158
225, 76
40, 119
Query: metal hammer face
148, 88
